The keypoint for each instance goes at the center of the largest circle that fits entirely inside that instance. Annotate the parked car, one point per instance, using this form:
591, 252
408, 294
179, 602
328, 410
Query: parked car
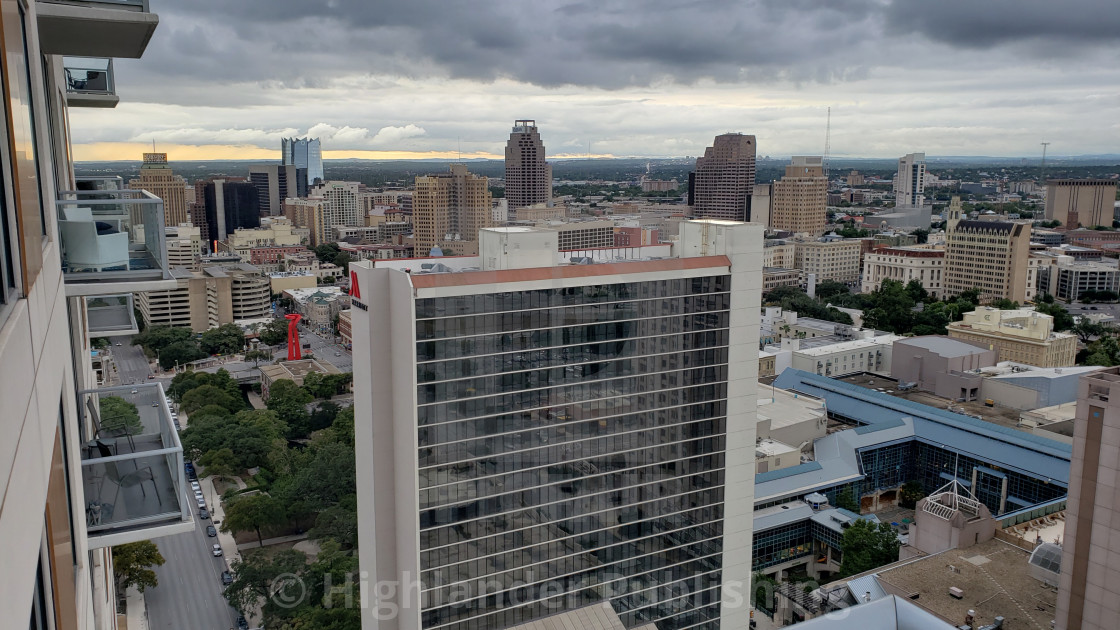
217, 550
204, 514
227, 578
241, 623
118, 343
134, 391
201, 502
189, 467
210, 531
195, 486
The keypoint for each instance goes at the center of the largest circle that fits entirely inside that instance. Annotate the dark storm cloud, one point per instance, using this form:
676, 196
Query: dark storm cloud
989, 23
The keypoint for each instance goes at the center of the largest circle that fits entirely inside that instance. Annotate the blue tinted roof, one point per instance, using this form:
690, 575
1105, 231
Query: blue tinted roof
1008, 448
782, 473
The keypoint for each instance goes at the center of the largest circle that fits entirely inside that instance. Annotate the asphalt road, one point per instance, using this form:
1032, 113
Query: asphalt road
189, 595
132, 365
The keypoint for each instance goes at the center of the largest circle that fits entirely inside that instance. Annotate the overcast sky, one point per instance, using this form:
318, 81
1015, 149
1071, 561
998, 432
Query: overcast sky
657, 78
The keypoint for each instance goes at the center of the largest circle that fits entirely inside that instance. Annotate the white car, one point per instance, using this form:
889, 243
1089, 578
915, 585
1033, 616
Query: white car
201, 502
194, 486
217, 550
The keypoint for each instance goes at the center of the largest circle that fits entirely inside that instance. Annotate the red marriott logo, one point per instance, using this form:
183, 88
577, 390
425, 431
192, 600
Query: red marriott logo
355, 290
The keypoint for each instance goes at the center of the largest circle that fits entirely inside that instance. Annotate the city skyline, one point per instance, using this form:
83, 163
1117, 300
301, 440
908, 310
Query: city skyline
656, 82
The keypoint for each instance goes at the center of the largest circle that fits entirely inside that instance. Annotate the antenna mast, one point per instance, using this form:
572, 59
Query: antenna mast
827, 141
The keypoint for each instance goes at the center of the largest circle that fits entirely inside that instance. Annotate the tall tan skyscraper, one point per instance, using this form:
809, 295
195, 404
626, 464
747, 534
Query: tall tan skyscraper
799, 200
156, 177
448, 210
1081, 202
724, 178
987, 255
528, 175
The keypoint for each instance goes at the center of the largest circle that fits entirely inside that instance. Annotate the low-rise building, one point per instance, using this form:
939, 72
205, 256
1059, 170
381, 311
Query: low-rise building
295, 371
942, 365
904, 264
778, 253
872, 354
270, 258
1066, 278
282, 281
774, 277
344, 328
319, 306
1023, 336
830, 259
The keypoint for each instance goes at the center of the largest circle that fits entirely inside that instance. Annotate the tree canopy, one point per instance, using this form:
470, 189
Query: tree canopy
225, 339
274, 333
867, 546
132, 565
119, 415
251, 513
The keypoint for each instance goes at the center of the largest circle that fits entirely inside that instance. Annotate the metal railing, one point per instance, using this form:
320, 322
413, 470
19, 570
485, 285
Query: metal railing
89, 75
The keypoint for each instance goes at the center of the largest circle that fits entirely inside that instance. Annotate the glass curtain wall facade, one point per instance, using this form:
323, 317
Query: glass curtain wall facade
571, 450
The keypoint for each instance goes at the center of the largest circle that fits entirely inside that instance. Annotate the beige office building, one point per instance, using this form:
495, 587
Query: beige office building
799, 200
1023, 336
207, 299
992, 256
309, 213
184, 246
528, 178
724, 178
1089, 583
830, 260
780, 254
157, 178
448, 210
1081, 202
342, 203
904, 264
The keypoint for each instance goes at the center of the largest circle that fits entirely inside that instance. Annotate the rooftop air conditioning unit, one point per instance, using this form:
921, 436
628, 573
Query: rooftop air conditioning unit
956, 592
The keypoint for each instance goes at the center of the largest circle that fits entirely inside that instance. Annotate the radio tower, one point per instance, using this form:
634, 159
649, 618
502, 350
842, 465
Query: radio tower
827, 141
1044, 145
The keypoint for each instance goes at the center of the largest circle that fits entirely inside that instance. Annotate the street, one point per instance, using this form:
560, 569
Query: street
189, 594
132, 365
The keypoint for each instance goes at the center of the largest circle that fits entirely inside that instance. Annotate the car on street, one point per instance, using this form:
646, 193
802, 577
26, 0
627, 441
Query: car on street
118, 343
201, 502
211, 531
227, 578
241, 623
195, 486
217, 550
155, 404
204, 514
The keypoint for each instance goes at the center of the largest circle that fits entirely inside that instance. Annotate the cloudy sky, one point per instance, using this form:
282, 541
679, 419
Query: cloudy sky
657, 78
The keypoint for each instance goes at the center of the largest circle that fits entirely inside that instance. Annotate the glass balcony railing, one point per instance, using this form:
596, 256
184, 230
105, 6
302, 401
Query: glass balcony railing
132, 466
111, 315
99, 182
89, 82
95, 28
112, 242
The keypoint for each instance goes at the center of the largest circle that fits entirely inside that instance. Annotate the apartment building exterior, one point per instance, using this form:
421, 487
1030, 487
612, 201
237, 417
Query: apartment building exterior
910, 180
201, 300
1066, 278
1088, 586
799, 200
904, 264
342, 205
780, 254
991, 256
63, 505
723, 181
157, 178
310, 213
275, 183
1081, 202
1023, 336
584, 434
184, 246
528, 175
830, 259
448, 210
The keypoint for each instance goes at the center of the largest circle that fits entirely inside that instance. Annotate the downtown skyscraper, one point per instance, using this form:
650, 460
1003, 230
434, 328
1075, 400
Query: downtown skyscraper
306, 154
528, 176
540, 436
724, 179
448, 210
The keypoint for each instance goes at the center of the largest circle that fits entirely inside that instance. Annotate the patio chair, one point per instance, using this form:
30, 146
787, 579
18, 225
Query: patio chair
91, 244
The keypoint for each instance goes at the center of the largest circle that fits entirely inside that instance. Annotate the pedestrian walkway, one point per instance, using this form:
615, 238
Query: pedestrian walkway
137, 609
273, 541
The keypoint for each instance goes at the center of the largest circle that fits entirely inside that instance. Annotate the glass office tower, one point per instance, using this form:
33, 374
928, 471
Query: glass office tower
564, 435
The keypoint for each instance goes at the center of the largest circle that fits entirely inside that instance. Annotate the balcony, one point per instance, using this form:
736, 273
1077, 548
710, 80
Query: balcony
89, 82
132, 466
112, 242
95, 28
99, 182
111, 315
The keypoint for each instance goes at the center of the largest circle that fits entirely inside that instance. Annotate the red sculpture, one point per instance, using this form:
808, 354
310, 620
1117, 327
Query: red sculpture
294, 353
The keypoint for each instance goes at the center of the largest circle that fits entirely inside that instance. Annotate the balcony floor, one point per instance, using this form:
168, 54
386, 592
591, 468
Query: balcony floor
122, 491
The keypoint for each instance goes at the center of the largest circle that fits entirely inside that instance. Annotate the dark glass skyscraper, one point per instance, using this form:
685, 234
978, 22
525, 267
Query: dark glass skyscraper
306, 154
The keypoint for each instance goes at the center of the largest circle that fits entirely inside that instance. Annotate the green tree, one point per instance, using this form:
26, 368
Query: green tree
1086, 329
253, 578
1062, 319
343, 260
1005, 304
180, 353
256, 356
156, 338
867, 546
338, 522
916, 291
274, 333
251, 513
288, 401
219, 463
910, 494
132, 565
327, 252
119, 416
922, 236
225, 339
846, 500
209, 395
831, 288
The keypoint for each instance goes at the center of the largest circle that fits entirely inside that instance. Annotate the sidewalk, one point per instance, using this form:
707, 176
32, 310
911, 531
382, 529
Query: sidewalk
137, 609
272, 541
229, 545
